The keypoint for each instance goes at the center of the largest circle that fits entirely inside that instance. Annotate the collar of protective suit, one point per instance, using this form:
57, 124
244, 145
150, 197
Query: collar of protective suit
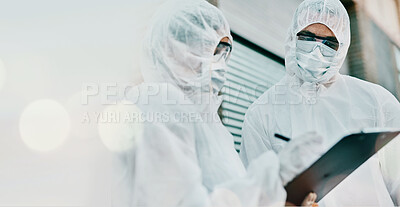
308, 89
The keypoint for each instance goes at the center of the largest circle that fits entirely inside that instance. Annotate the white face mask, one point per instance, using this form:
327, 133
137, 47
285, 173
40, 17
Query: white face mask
315, 61
218, 71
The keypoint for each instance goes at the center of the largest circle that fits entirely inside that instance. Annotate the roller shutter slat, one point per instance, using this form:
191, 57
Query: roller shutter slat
250, 74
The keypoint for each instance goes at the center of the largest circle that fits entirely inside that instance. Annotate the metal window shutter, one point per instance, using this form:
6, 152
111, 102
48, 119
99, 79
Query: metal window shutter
250, 74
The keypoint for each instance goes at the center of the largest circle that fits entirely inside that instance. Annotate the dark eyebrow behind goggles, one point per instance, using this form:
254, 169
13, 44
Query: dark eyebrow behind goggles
225, 44
310, 34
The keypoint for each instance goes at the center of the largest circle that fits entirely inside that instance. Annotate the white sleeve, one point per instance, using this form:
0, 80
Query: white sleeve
254, 137
389, 156
167, 174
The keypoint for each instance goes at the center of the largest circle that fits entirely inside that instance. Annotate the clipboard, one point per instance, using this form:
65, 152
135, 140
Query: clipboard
336, 164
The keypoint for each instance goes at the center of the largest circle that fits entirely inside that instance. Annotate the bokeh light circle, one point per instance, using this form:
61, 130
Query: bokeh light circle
225, 197
119, 128
83, 125
44, 125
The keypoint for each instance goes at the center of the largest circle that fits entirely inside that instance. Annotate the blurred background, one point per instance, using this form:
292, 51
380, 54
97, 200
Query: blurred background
52, 153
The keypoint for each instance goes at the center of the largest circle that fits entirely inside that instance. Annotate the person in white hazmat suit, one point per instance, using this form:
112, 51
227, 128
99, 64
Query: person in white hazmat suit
314, 96
185, 156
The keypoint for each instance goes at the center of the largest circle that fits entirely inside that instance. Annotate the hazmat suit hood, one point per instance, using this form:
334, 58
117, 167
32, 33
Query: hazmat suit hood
185, 160
181, 43
332, 14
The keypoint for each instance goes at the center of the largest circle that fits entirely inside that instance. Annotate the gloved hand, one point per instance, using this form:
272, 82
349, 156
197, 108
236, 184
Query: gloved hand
299, 154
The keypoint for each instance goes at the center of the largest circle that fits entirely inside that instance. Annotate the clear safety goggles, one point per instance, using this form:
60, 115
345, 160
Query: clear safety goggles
223, 50
328, 41
308, 46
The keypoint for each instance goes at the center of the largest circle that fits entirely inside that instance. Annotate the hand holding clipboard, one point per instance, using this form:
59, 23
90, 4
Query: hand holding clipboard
336, 164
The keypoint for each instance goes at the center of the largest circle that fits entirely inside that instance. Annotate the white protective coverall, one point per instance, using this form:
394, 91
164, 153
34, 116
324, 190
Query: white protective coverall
186, 157
335, 106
